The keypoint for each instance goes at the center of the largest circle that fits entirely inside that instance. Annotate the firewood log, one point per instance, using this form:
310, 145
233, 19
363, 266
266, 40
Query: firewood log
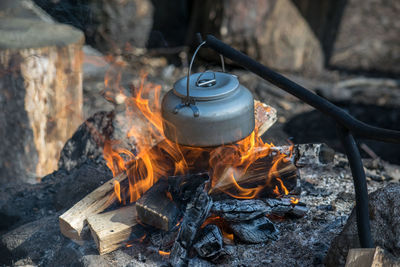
111, 230
40, 95
73, 221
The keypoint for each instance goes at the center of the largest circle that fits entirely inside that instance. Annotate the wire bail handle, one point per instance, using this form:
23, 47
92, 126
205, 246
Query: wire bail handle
188, 101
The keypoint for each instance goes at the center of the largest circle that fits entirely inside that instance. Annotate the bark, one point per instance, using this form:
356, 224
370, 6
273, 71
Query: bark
40, 95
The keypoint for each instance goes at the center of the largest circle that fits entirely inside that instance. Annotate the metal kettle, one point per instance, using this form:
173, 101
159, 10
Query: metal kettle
207, 109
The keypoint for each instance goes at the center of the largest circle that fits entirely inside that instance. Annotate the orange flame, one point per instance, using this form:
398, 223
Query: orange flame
227, 164
294, 200
283, 186
117, 190
164, 253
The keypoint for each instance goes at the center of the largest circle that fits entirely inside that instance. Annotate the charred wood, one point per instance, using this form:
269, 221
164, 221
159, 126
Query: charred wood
308, 154
197, 210
257, 174
210, 243
157, 208
283, 208
182, 187
255, 231
235, 210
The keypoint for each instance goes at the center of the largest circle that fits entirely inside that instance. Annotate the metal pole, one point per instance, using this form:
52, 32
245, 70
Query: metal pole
347, 124
357, 127
360, 187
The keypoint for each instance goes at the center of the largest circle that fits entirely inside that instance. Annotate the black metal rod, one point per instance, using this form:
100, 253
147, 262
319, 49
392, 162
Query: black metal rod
360, 187
346, 126
357, 127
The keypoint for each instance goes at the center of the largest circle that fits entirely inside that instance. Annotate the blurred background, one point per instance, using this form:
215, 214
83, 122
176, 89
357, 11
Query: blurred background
347, 51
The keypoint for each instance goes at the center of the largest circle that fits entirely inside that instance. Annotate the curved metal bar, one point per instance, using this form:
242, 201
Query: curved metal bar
357, 127
189, 70
347, 125
188, 100
360, 187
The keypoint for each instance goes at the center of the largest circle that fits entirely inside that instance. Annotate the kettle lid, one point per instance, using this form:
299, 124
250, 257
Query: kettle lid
207, 85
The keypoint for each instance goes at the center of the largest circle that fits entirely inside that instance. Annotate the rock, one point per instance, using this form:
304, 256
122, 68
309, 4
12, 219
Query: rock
87, 142
40, 242
110, 26
272, 32
376, 44
385, 226
23, 203
23, 9
79, 183
323, 18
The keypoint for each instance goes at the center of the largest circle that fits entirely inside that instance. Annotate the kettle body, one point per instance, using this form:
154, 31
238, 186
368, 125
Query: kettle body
220, 110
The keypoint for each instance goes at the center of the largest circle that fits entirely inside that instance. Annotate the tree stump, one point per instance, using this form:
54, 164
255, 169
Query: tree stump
40, 95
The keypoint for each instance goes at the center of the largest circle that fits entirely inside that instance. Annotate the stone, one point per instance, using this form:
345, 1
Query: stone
110, 26
40, 242
272, 32
79, 183
384, 209
368, 37
87, 142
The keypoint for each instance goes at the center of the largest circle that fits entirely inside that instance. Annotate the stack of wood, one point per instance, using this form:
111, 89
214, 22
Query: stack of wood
112, 229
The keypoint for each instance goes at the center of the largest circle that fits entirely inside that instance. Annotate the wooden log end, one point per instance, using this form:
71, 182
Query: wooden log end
68, 230
265, 116
112, 229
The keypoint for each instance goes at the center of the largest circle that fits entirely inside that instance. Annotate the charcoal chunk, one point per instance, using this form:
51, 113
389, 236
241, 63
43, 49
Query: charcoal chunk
196, 212
285, 209
155, 208
255, 231
178, 256
210, 243
183, 187
235, 210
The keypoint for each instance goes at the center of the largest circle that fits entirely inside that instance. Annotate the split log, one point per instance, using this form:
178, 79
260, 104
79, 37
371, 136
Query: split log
258, 173
265, 117
156, 207
73, 221
40, 95
112, 229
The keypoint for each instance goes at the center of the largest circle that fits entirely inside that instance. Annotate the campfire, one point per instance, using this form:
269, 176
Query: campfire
118, 150
186, 201
192, 178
